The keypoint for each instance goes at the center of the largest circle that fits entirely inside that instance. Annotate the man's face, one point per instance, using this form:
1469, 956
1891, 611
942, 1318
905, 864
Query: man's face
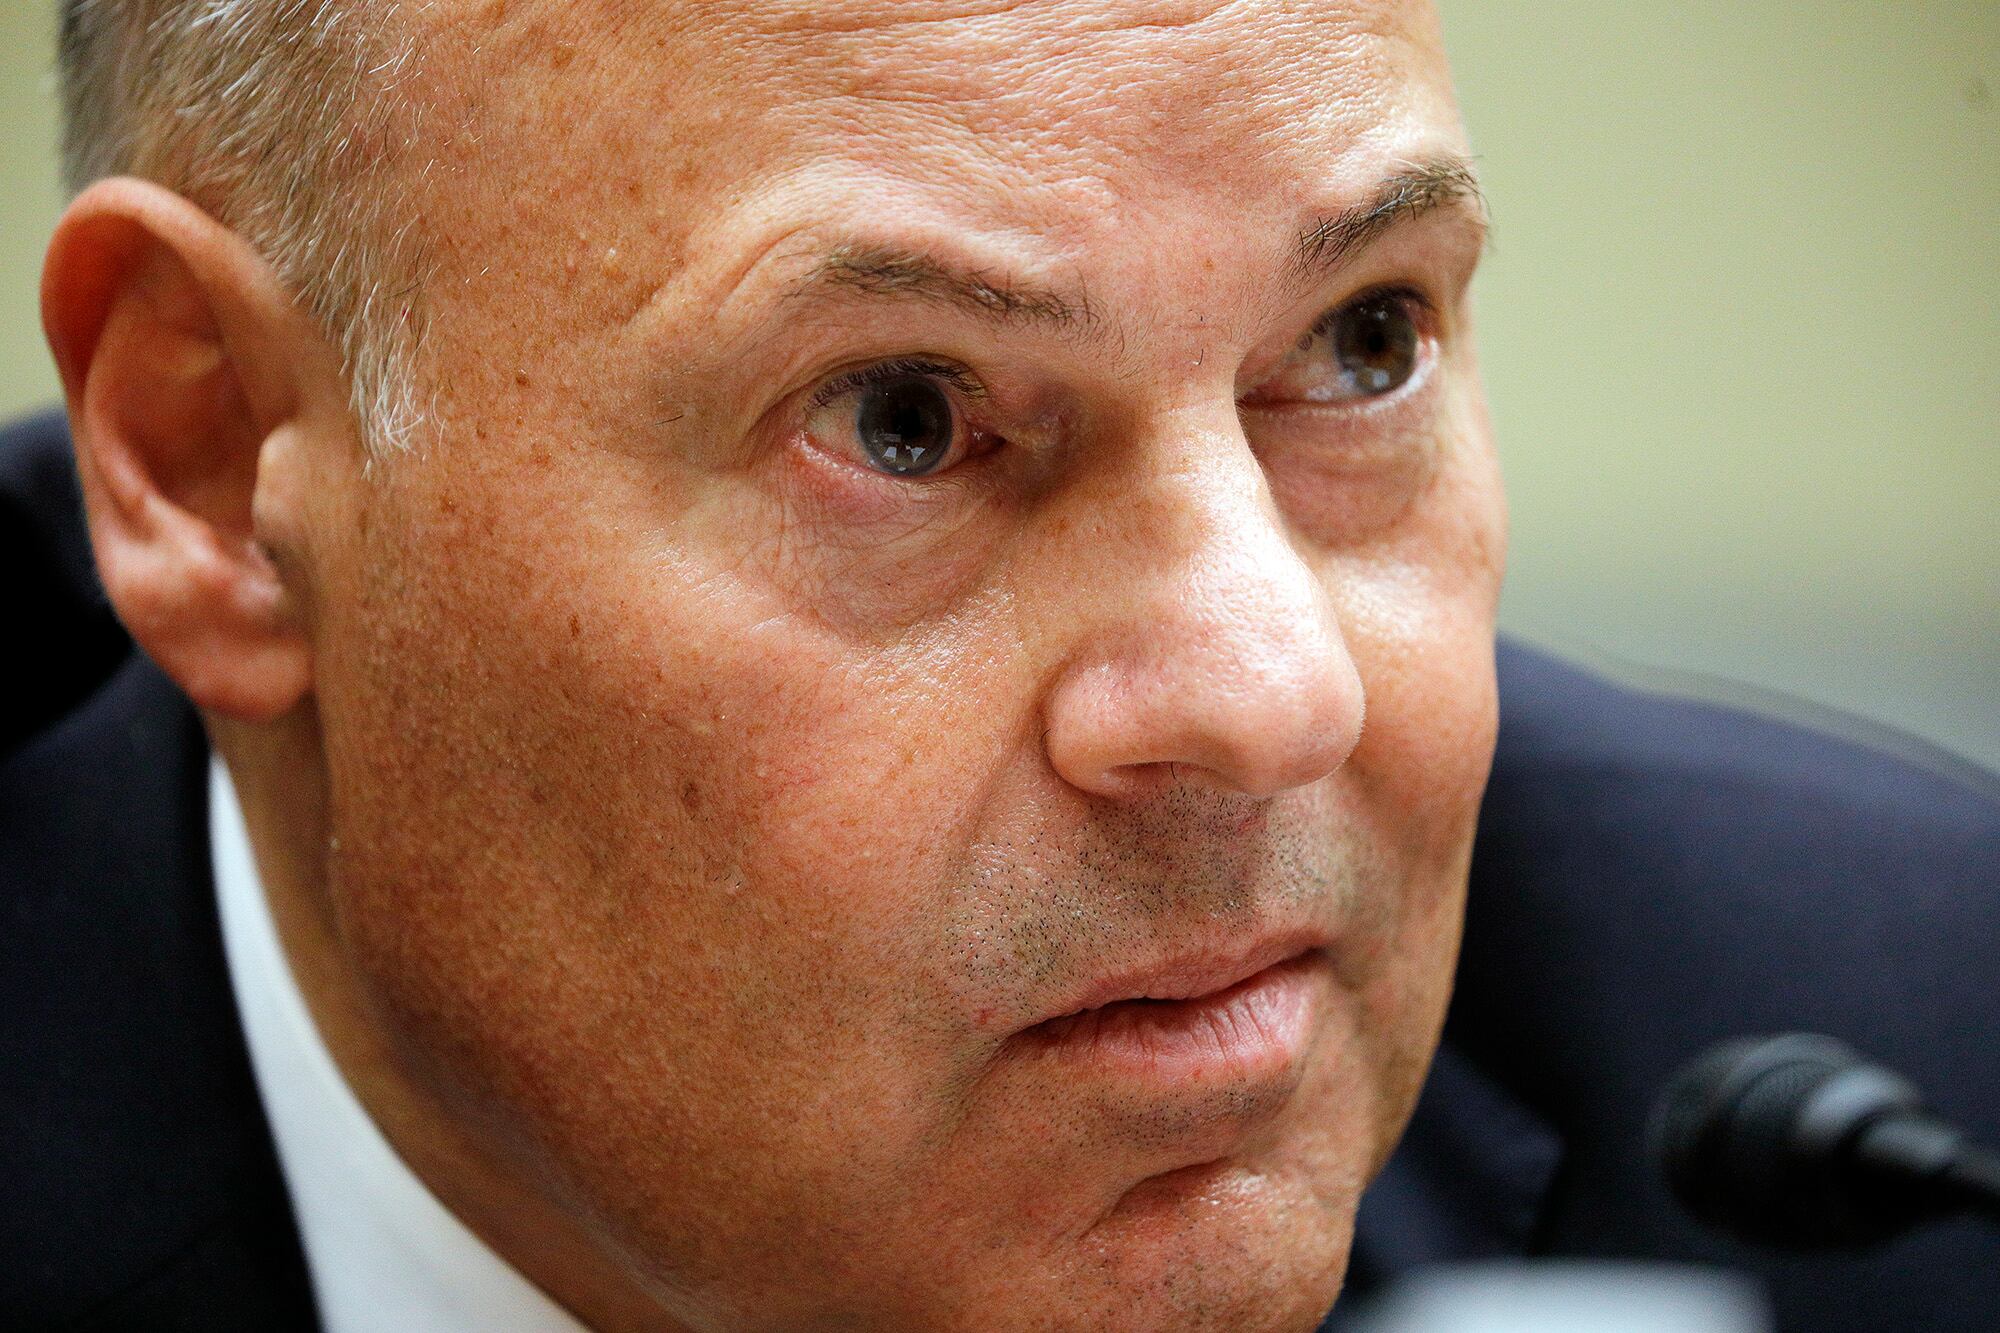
922, 540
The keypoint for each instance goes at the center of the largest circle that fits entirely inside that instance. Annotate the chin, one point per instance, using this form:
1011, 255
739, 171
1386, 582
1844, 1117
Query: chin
1215, 1246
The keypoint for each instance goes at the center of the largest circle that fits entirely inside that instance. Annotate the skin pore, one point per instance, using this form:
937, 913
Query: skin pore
674, 821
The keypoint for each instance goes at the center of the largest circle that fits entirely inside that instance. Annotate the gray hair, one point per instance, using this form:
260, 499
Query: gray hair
281, 119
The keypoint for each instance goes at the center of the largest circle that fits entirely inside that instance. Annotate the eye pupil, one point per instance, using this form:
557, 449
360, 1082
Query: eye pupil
1375, 344
904, 424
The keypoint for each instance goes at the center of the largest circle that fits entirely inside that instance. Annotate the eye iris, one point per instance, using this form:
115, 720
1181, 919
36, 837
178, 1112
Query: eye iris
904, 424
1375, 343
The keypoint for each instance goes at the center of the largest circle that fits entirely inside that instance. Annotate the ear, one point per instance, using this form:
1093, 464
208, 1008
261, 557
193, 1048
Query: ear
184, 361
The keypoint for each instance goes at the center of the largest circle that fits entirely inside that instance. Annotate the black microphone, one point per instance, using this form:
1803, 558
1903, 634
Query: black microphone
1796, 1141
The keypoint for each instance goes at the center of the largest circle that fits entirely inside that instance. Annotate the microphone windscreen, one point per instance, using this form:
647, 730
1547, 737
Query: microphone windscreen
1753, 1134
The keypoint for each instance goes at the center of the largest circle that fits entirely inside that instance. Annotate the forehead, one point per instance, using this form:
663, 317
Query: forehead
612, 146
995, 96
1057, 86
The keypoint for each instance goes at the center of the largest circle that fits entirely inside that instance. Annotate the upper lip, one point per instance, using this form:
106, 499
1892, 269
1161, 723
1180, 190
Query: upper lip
1201, 970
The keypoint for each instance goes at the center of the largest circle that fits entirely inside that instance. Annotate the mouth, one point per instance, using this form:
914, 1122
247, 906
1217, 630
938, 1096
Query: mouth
1200, 1018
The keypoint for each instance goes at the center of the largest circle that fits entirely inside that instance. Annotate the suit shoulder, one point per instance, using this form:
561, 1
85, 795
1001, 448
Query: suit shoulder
1678, 871
70, 642
1577, 740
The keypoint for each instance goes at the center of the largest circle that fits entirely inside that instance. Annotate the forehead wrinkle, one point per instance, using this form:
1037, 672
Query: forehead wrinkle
904, 17
1011, 67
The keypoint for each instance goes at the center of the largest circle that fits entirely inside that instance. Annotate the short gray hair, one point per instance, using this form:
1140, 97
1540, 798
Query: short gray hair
281, 119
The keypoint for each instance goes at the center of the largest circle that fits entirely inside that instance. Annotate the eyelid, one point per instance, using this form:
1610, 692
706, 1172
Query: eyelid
958, 377
1423, 313
968, 439
1401, 291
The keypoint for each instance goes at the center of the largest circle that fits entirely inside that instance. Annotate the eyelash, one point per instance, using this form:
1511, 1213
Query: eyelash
1419, 302
863, 376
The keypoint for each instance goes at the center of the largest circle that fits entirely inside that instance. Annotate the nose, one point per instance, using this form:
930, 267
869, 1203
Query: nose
1207, 642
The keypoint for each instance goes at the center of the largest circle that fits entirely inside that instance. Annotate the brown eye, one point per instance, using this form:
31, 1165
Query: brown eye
1374, 343
1367, 348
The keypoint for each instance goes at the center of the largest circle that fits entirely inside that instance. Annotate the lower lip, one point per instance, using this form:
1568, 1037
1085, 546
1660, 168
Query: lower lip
1259, 1025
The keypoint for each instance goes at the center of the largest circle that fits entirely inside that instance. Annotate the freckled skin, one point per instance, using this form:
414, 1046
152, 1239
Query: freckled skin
705, 814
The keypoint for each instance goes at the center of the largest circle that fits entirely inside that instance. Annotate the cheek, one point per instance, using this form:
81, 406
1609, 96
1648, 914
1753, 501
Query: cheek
1418, 617
646, 745
625, 848
868, 556
1418, 614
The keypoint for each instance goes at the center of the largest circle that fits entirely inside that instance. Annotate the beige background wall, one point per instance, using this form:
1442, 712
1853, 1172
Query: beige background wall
1741, 330
29, 196
1741, 327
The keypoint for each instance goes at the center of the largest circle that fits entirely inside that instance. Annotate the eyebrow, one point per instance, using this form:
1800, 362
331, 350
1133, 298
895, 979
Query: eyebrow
1424, 187
1322, 248
889, 271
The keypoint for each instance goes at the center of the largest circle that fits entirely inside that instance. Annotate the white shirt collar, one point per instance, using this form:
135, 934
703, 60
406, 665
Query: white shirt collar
382, 1250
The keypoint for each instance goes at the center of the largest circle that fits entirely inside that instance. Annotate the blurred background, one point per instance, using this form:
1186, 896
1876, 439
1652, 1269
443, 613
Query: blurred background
1740, 325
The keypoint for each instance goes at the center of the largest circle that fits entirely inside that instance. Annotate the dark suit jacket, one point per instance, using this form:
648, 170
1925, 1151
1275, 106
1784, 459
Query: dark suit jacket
1650, 875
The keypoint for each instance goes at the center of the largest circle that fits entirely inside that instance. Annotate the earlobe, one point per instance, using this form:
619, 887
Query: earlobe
170, 332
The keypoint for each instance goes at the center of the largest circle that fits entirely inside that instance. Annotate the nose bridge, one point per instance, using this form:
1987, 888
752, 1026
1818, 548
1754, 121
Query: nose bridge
1210, 555
1210, 641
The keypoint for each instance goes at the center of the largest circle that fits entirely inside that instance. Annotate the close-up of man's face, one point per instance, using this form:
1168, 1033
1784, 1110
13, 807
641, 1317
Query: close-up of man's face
902, 749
